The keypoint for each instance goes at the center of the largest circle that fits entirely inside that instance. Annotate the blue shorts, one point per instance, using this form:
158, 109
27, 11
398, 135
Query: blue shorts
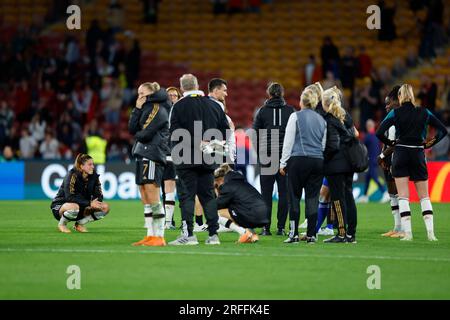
325, 182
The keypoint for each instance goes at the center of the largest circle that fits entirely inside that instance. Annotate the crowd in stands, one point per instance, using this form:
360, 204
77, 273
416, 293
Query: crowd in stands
51, 100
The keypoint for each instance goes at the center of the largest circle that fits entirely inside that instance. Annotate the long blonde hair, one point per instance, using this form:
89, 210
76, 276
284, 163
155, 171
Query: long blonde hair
406, 94
331, 101
317, 88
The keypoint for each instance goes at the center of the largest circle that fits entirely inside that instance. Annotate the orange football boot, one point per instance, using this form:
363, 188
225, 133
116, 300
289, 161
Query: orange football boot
80, 228
246, 237
155, 242
389, 233
63, 228
141, 242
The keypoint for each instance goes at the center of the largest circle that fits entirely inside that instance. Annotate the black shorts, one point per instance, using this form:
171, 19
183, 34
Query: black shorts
55, 210
169, 172
148, 171
409, 162
255, 219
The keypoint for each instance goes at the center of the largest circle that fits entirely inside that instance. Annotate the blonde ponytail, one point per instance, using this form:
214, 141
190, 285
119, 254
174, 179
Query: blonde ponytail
331, 101
406, 94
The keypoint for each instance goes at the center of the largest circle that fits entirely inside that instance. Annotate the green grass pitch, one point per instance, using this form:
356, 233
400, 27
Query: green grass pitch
34, 258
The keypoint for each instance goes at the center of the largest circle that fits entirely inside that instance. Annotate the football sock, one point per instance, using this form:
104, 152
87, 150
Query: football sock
158, 219
293, 228
227, 223
395, 212
85, 220
169, 206
148, 219
68, 215
63, 221
324, 208
427, 212
405, 214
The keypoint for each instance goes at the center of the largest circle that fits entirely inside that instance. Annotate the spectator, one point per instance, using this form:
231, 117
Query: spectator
364, 63
27, 145
132, 64
373, 148
367, 102
330, 81
49, 148
115, 16
312, 72
8, 155
82, 100
22, 100
388, 31
150, 11
72, 50
6, 122
349, 68
445, 96
93, 35
411, 58
37, 127
330, 57
113, 97
399, 68
428, 93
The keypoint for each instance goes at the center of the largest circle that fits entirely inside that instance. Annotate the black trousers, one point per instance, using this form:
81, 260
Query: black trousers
304, 173
200, 182
341, 191
267, 182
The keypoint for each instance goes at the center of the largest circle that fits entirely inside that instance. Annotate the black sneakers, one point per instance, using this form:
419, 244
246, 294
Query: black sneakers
265, 232
294, 239
311, 240
336, 239
350, 239
281, 232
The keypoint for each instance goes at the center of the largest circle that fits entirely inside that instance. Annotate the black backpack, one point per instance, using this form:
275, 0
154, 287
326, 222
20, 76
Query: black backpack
357, 155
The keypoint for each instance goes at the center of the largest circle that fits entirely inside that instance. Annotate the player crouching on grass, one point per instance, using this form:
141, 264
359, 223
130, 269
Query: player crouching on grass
241, 207
80, 196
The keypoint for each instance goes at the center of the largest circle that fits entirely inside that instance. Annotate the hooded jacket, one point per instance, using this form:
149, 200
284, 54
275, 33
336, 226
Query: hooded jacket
150, 127
274, 114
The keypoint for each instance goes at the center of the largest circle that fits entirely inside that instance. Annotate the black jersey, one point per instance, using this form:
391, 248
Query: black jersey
411, 124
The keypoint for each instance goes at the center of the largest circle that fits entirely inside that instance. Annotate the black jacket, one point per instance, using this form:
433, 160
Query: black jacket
150, 127
237, 194
79, 190
274, 114
338, 136
185, 112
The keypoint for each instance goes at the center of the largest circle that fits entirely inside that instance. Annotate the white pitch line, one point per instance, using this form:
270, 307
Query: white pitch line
218, 253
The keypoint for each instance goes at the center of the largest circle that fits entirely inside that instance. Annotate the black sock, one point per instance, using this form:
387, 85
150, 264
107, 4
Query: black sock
199, 220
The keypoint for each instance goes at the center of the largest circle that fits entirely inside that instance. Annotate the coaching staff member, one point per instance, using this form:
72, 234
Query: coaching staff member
273, 115
195, 178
